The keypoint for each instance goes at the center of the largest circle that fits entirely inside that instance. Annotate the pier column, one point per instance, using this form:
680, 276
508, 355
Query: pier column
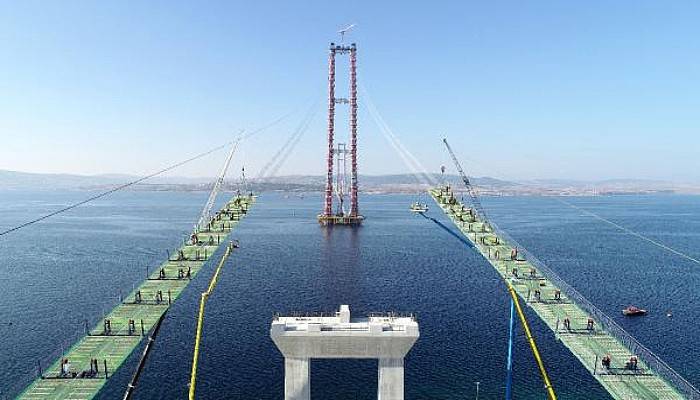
296, 379
390, 379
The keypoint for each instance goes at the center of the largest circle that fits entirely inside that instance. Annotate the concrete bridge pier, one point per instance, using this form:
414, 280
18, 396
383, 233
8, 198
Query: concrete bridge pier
390, 380
296, 378
386, 337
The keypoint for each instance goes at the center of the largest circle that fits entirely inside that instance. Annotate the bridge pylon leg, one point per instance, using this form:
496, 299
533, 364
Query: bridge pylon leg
296, 379
390, 379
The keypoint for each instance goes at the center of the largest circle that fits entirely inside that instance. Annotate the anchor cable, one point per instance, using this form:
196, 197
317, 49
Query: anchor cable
149, 176
605, 220
115, 189
631, 232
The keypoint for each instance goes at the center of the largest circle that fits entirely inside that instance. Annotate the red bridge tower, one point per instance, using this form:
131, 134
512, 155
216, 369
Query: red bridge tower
337, 186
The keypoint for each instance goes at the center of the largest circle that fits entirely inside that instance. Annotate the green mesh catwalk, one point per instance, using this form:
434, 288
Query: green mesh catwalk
125, 327
634, 373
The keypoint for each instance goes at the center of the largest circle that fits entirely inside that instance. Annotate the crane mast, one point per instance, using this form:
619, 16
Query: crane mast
476, 203
205, 217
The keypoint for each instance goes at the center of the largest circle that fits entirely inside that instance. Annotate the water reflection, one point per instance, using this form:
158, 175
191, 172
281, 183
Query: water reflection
340, 279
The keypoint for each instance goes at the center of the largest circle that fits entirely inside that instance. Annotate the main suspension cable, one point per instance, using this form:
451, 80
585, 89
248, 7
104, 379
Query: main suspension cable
275, 163
417, 169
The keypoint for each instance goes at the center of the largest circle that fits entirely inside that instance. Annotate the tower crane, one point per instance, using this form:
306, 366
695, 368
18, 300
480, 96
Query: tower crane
205, 217
345, 30
476, 203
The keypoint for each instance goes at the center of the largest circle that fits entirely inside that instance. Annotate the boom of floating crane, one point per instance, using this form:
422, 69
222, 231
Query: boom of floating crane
205, 217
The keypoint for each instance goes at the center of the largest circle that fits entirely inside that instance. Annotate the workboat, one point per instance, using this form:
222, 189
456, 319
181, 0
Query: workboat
419, 207
633, 311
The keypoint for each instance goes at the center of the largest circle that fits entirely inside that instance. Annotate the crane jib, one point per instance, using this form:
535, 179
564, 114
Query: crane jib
474, 198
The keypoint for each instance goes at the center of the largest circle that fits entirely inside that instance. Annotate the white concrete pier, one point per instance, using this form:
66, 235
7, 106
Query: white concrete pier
390, 379
296, 378
386, 337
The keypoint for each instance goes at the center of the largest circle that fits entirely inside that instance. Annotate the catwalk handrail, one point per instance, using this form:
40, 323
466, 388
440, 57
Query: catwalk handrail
644, 354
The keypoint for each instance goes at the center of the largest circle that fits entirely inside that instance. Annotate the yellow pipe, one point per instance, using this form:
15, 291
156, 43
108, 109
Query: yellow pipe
547, 384
200, 319
533, 346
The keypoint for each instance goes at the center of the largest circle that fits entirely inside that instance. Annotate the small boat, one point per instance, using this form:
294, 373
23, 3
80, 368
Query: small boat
633, 311
419, 207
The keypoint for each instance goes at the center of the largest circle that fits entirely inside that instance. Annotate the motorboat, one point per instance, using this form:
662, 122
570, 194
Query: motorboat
418, 207
633, 311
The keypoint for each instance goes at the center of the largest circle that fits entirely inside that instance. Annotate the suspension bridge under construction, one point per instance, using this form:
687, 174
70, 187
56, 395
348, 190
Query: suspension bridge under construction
623, 366
83, 369
634, 371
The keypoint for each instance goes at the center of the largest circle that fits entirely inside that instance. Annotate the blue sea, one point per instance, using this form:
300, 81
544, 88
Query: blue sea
58, 273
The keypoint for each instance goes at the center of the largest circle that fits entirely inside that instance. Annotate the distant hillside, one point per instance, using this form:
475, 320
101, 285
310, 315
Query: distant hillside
27, 180
379, 180
397, 183
14, 179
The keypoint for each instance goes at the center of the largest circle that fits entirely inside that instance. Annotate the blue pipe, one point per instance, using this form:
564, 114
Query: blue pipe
509, 364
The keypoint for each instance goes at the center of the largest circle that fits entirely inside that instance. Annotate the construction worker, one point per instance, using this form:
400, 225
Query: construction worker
65, 367
589, 325
633, 363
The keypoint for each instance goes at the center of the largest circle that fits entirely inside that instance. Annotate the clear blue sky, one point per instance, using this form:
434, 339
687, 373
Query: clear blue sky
542, 89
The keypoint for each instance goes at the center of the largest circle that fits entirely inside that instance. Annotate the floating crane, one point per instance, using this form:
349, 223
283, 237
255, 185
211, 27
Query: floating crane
205, 217
476, 203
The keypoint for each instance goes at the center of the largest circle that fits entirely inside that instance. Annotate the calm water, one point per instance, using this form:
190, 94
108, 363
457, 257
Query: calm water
58, 273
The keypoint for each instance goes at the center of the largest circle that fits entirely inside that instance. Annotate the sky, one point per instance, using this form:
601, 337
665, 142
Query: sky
523, 90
